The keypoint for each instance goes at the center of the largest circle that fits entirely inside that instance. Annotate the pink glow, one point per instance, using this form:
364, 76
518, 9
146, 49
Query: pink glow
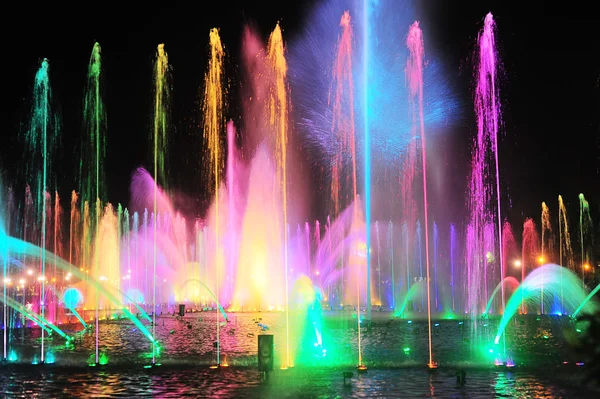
529, 250
484, 185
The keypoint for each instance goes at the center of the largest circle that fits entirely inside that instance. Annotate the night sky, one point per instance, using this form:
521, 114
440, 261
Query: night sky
550, 86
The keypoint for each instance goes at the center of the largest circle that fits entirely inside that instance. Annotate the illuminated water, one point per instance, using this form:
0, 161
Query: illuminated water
399, 346
242, 383
109, 296
392, 342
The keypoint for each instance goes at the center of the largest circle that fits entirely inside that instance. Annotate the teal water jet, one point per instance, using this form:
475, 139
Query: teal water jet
19, 247
415, 290
41, 137
71, 301
548, 277
143, 313
93, 154
585, 301
36, 318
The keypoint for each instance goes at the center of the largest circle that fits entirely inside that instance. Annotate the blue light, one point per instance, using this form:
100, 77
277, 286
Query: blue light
388, 118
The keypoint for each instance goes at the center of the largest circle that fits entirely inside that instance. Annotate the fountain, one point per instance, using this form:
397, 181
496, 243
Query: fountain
358, 259
547, 241
585, 228
547, 276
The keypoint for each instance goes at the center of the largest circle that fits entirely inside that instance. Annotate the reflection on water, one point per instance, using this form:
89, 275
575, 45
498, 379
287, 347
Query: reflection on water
294, 383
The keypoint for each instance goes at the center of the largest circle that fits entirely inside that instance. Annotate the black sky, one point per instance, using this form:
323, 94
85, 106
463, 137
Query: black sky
550, 91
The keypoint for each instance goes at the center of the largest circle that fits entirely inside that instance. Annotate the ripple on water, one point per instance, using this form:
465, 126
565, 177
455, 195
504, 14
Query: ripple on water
294, 383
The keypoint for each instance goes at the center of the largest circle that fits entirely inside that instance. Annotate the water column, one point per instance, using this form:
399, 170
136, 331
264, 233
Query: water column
414, 69
93, 154
214, 124
367, 149
41, 138
343, 127
565, 247
546, 229
159, 135
585, 224
277, 110
57, 251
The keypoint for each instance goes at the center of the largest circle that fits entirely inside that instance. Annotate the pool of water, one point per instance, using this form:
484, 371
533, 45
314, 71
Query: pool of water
321, 348
326, 341
164, 382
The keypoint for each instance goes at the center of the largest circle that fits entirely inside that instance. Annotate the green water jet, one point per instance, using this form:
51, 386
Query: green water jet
555, 279
585, 229
585, 301
36, 318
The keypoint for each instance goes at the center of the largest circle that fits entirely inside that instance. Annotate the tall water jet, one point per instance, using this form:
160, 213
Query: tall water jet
344, 130
565, 250
585, 227
528, 251
58, 250
343, 114
162, 115
278, 104
214, 123
367, 160
93, 154
546, 228
414, 71
162, 92
485, 152
41, 139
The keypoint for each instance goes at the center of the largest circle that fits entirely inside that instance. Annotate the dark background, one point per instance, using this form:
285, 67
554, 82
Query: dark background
550, 90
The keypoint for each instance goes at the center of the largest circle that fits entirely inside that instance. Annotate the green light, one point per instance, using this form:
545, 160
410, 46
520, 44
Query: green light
545, 337
406, 350
103, 359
